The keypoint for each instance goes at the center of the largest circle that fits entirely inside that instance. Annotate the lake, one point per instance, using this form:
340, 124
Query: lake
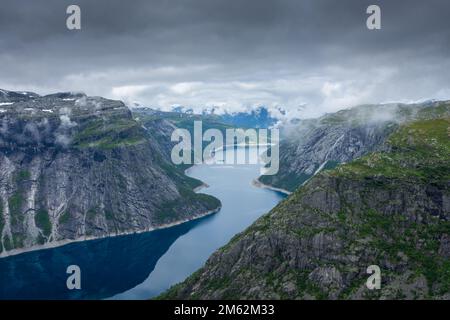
141, 266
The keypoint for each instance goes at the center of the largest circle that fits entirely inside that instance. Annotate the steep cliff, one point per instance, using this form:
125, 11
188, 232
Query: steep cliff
316, 144
390, 208
75, 167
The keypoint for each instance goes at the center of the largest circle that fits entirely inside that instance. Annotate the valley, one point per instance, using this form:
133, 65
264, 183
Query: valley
74, 168
143, 265
363, 186
389, 208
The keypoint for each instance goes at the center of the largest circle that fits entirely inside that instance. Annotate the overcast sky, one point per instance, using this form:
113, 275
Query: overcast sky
235, 54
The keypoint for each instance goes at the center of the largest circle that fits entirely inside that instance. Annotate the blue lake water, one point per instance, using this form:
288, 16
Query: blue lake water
141, 266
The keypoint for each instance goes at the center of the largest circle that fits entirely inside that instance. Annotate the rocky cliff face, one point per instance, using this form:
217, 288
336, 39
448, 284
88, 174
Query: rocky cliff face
73, 166
390, 208
317, 144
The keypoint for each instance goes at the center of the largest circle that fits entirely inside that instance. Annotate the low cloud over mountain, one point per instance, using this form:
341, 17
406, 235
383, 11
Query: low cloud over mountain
212, 53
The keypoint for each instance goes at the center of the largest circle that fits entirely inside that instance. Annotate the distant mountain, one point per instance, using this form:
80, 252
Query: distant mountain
8, 97
74, 167
254, 118
181, 109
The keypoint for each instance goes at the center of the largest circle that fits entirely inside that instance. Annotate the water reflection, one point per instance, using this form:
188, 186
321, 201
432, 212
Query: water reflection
108, 266
142, 266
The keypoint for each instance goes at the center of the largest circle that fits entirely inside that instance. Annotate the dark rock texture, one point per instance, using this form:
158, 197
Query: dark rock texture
316, 144
389, 208
73, 167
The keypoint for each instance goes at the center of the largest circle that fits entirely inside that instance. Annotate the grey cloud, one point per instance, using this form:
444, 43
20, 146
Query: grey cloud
234, 54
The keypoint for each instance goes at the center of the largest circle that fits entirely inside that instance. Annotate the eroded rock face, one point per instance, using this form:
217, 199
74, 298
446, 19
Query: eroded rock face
301, 250
73, 166
386, 209
317, 144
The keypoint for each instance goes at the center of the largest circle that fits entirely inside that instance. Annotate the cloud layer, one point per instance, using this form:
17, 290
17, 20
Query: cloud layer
315, 56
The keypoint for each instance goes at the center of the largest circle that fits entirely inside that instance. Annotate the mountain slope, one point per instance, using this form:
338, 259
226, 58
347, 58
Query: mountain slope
76, 167
390, 208
340, 137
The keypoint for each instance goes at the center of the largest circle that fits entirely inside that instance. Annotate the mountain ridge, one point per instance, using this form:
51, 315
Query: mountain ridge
76, 167
389, 208
322, 143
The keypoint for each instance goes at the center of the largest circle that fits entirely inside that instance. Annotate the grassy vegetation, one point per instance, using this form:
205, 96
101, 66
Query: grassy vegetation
18, 240
330, 165
125, 132
176, 173
420, 150
109, 134
170, 210
304, 285
7, 243
22, 175
338, 118
285, 180
289, 181
109, 215
360, 116
64, 218
43, 222
15, 203
393, 236
91, 213
442, 110
418, 155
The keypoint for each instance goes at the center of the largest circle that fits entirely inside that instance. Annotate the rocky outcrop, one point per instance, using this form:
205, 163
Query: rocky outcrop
77, 167
317, 144
389, 208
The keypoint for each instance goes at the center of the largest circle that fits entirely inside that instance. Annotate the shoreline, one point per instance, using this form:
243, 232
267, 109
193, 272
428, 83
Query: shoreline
200, 187
204, 185
61, 243
261, 185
